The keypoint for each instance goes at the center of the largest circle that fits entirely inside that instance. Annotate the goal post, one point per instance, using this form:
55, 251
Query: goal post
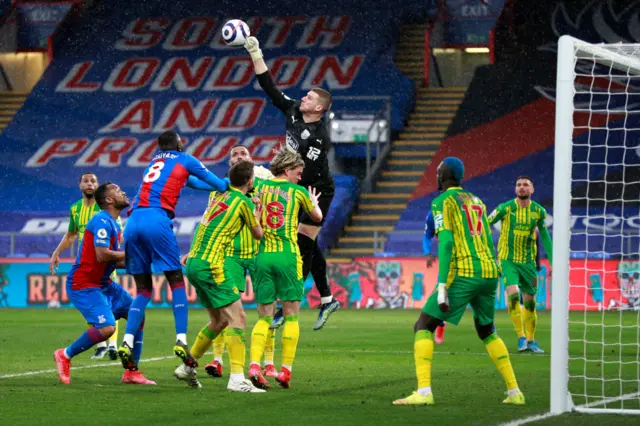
595, 356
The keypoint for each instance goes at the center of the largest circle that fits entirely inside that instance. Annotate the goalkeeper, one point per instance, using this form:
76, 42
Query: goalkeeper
467, 265
517, 251
306, 133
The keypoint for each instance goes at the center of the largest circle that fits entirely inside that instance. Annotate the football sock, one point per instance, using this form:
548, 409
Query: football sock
84, 342
259, 338
180, 309
500, 357
319, 273
515, 311
307, 251
269, 348
113, 340
203, 342
234, 338
136, 315
423, 355
290, 337
101, 344
137, 348
530, 319
218, 345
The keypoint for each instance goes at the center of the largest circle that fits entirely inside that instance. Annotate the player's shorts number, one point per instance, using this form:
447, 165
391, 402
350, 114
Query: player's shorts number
154, 172
275, 215
474, 221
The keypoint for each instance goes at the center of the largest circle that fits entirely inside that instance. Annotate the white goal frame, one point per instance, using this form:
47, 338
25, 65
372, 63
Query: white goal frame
568, 47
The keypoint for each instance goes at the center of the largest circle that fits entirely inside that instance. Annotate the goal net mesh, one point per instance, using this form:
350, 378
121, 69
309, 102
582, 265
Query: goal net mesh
604, 275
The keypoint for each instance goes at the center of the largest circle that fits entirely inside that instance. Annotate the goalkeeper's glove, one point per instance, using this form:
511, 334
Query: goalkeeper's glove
443, 299
253, 47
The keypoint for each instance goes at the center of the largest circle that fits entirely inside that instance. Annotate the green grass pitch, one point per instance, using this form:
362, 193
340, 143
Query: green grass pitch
346, 374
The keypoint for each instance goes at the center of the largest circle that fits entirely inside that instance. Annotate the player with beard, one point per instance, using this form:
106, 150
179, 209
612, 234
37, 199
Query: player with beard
306, 133
517, 251
80, 213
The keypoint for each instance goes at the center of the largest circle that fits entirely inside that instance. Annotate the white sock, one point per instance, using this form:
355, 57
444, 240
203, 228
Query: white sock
424, 391
65, 354
513, 391
182, 337
238, 377
288, 367
219, 359
327, 299
101, 345
128, 339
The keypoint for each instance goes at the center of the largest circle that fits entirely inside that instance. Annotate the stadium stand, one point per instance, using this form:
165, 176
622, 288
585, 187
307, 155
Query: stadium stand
122, 75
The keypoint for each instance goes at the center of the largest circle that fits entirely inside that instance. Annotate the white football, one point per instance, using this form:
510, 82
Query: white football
235, 32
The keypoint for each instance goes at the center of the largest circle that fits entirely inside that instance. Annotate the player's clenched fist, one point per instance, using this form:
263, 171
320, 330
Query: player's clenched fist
253, 47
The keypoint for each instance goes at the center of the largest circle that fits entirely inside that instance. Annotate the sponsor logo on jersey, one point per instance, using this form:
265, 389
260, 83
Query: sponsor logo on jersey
292, 142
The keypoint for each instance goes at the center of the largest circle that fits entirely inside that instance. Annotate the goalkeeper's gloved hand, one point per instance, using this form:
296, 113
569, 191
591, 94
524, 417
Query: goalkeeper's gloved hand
253, 47
443, 299
262, 173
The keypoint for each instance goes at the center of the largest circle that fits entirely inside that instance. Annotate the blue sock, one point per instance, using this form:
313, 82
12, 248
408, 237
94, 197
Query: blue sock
180, 307
137, 348
84, 342
136, 312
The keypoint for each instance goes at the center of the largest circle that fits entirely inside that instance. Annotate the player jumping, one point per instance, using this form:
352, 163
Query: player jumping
307, 134
79, 215
216, 276
89, 286
429, 233
468, 269
279, 265
149, 238
517, 251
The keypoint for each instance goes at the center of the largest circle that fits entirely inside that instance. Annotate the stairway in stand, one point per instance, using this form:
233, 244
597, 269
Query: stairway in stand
10, 103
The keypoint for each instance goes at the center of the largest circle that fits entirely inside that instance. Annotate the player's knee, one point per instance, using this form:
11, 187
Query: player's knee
511, 289
484, 331
107, 331
174, 278
426, 322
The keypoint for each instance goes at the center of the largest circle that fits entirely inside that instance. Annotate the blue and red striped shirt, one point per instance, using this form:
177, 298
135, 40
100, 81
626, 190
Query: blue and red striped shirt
101, 231
165, 177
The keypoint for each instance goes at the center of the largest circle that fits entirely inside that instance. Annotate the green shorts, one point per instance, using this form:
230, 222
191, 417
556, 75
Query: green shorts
213, 290
236, 269
278, 276
479, 292
524, 275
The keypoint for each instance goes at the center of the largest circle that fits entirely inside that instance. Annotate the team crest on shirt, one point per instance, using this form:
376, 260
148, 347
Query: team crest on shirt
292, 142
102, 233
305, 134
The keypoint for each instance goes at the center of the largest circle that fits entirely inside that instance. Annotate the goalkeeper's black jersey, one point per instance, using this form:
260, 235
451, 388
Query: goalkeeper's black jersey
311, 140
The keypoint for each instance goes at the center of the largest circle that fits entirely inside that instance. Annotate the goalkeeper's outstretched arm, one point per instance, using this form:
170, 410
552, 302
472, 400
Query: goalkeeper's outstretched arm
279, 99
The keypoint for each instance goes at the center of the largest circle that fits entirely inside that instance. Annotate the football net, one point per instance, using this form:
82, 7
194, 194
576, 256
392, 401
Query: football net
595, 356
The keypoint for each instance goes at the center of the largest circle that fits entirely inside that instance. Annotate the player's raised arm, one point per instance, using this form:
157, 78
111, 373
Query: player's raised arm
279, 99
195, 183
547, 243
197, 169
309, 199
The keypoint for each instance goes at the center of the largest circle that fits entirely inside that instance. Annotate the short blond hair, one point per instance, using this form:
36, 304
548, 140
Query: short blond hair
325, 97
286, 158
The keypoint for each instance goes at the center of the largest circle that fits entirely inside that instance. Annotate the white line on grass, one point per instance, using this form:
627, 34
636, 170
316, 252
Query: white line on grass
347, 351
82, 367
